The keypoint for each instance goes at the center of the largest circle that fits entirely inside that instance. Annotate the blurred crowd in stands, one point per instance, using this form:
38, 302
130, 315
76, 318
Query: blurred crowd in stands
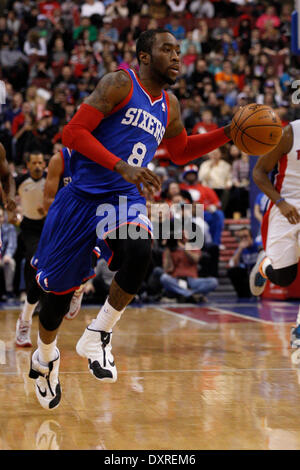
233, 52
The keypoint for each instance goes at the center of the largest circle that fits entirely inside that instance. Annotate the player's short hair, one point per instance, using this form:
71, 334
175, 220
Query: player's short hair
146, 40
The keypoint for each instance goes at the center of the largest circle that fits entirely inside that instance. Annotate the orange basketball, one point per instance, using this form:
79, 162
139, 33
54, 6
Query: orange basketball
256, 129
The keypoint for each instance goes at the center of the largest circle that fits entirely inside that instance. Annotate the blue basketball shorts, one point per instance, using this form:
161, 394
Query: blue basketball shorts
77, 225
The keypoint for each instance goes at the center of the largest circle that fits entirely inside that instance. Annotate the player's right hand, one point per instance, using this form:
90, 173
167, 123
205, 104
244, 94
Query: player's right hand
139, 176
289, 211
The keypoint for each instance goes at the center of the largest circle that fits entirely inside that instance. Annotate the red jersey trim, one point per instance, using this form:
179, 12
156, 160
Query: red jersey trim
168, 107
281, 172
265, 225
128, 223
66, 291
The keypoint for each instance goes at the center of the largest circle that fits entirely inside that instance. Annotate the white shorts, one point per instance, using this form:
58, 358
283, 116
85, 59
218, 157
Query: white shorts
283, 240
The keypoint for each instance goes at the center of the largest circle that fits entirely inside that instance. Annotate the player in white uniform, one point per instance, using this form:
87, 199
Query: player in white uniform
281, 223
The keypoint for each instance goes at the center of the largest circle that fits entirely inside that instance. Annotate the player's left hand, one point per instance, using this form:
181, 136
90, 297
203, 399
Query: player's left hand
139, 176
289, 211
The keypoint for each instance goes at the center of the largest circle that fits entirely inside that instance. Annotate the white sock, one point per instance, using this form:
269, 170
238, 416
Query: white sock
27, 311
265, 264
107, 318
46, 352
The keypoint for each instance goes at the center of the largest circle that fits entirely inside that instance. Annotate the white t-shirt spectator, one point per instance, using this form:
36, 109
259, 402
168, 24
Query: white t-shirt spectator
97, 8
217, 176
202, 8
177, 6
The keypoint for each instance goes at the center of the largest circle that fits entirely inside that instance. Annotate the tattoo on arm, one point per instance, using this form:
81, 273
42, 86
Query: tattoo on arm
110, 91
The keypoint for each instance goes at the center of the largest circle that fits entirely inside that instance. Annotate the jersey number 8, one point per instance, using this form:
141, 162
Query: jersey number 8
138, 153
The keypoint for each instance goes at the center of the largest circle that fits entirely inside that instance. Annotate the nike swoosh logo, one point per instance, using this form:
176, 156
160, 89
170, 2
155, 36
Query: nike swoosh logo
112, 363
42, 393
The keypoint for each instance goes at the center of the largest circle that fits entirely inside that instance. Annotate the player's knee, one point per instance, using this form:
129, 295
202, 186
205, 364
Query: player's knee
34, 293
53, 309
285, 276
134, 268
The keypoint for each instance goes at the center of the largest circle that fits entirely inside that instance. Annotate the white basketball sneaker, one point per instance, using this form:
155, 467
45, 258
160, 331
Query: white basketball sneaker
75, 303
47, 386
95, 345
23, 330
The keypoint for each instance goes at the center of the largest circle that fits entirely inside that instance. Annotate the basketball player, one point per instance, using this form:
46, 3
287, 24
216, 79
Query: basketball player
58, 176
281, 222
114, 136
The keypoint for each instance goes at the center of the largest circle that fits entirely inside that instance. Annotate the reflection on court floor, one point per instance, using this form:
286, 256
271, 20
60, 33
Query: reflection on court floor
214, 376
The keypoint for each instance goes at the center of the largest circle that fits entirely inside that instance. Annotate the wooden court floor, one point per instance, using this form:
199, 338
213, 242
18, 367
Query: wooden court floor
183, 383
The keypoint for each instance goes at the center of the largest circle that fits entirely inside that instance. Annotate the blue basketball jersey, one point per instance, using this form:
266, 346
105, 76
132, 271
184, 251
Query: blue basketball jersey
66, 175
132, 131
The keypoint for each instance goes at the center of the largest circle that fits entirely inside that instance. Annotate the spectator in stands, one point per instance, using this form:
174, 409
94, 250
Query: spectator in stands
8, 249
13, 64
243, 33
177, 6
206, 124
239, 197
117, 9
226, 75
155, 9
19, 120
13, 23
174, 189
48, 8
200, 76
202, 8
216, 173
85, 25
179, 275
200, 36
176, 28
187, 42
134, 28
228, 44
4, 30
201, 194
23, 138
243, 261
272, 42
66, 78
44, 28
35, 45
59, 56
222, 28
108, 32
92, 7
269, 16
